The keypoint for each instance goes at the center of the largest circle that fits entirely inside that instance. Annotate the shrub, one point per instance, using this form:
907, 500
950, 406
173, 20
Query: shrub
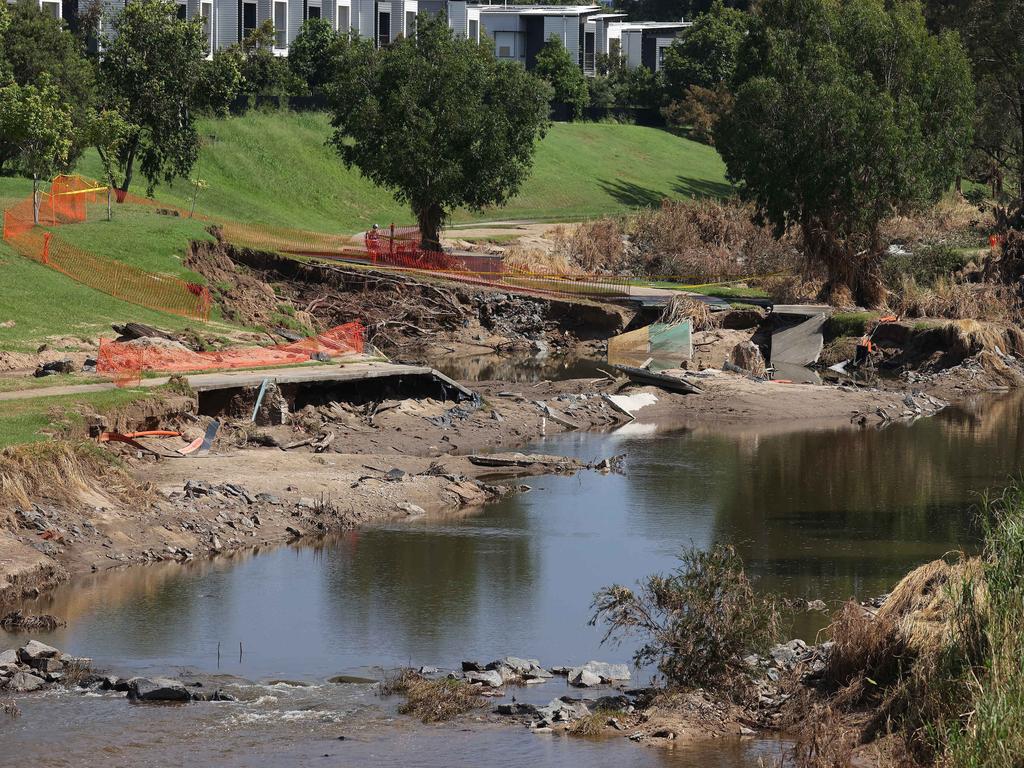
696, 622
955, 301
433, 701
926, 265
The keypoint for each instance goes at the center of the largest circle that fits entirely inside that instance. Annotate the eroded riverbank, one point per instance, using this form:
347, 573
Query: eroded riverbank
816, 515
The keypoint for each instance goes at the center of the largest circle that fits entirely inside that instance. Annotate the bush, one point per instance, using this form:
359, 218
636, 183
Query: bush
433, 701
697, 622
925, 265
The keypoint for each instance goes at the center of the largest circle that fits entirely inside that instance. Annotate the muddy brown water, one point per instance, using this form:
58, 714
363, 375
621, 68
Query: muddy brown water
816, 515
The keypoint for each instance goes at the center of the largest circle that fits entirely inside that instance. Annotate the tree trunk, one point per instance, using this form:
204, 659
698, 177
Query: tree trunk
430, 217
35, 200
853, 277
129, 167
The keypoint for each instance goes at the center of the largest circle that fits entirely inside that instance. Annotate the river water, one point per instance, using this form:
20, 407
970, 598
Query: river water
815, 514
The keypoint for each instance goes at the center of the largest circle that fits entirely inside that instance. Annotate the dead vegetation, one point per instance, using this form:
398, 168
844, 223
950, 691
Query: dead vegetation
17, 621
593, 724
10, 708
681, 307
432, 701
62, 472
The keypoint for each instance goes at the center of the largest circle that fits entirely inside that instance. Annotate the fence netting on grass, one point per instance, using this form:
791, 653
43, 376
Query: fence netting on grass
126, 361
69, 201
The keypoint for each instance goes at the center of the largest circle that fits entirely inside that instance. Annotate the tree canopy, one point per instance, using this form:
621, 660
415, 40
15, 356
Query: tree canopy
150, 69
846, 112
705, 55
436, 119
37, 50
309, 53
556, 66
672, 10
37, 122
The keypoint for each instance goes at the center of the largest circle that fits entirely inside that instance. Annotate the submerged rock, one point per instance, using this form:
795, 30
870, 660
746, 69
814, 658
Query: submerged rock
157, 689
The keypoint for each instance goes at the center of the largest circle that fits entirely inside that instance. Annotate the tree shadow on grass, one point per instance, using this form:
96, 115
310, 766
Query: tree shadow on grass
630, 194
687, 187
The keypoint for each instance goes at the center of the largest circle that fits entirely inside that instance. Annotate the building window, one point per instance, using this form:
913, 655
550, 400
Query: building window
281, 25
344, 19
505, 44
248, 19
313, 12
410, 23
383, 29
52, 8
206, 10
474, 30
182, 11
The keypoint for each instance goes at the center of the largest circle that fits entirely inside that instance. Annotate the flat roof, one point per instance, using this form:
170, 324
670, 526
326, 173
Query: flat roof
632, 26
541, 10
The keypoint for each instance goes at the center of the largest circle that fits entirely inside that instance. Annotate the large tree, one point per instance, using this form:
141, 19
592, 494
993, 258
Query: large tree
994, 30
705, 54
150, 69
846, 112
437, 119
309, 53
556, 66
38, 123
38, 48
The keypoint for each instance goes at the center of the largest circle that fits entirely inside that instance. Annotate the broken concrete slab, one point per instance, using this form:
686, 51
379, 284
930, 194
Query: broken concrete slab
801, 344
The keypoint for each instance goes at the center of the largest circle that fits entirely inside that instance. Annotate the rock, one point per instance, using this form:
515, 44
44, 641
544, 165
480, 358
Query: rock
411, 509
34, 650
428, 670
613, 703
563, 710
606, 673
157, 689
306, 503
517, 708
512, 666
490, 678
9, 656
112, 683
217, 695
23, 682
472, 666
47, 666
747, 356
295, 533
584, 678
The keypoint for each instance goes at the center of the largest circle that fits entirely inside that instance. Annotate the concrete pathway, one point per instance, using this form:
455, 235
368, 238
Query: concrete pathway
304, 374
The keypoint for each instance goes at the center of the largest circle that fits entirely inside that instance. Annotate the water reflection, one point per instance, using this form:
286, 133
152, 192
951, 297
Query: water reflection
822, 514
519, 368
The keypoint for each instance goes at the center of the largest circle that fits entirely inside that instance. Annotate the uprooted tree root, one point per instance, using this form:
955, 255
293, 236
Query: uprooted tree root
61, 472
433, 701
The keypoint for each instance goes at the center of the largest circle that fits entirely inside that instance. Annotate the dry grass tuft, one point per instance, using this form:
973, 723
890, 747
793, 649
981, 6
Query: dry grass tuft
956, 301
593, 724
16, 621
433, 701
61, 472
682, 307
10, 708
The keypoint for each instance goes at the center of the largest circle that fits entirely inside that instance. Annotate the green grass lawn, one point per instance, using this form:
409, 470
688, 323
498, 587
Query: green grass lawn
275, 168
32, 420
43, 303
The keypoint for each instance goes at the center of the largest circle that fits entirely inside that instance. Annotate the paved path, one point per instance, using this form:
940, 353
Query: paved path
304, 374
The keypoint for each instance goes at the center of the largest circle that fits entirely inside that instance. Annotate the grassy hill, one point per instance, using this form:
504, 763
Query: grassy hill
275, 168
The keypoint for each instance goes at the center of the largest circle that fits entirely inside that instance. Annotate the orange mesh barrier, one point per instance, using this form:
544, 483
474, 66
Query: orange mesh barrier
125, 362
67, 203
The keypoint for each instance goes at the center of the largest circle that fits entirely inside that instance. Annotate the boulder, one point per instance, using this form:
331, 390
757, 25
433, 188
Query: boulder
597, 672
34, 650
491, 678
583, 678
747, 356
157, 689
518, 708
563, 710
23, 682
9, 656
47, 665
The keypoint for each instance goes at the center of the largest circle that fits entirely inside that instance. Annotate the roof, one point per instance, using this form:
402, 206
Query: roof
542, 10
632, 26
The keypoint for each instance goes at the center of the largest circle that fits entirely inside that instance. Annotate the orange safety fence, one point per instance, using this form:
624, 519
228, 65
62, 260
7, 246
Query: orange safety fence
68, 202
126, 361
